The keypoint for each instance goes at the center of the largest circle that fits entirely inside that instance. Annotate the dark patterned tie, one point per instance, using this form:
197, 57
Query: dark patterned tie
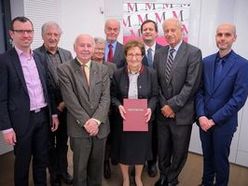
169, 64
218, 71
149, 57
110, 53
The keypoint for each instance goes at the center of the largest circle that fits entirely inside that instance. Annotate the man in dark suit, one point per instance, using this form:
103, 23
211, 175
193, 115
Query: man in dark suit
25, 105
51, 33
149, 31
178, 67
85, 89
223, 93
114, 51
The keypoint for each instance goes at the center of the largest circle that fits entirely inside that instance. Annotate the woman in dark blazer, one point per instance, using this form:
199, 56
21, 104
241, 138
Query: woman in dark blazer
134, 81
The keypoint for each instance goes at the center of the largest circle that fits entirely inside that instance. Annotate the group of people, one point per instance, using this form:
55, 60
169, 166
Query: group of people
46, 96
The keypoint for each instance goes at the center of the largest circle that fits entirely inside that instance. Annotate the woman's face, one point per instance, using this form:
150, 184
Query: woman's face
134, 58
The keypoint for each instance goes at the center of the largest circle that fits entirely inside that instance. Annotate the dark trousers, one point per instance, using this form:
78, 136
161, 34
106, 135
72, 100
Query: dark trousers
216, 148
58, 148
33, 143
88, 156
154, 138
173, 143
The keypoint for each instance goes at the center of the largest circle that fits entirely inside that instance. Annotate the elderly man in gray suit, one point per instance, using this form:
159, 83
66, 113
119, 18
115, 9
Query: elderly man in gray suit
58, 164
178, 67
85, 88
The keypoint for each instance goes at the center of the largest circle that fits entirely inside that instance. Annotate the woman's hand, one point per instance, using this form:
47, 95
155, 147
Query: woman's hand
122, 112
148, 115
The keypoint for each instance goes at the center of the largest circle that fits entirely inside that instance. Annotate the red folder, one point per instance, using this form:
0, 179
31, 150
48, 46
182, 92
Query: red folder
135, 115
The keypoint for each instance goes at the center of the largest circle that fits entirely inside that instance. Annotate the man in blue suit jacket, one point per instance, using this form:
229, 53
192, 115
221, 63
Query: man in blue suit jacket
223, 93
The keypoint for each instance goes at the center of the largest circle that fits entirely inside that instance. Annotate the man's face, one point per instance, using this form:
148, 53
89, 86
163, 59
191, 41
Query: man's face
99, 51
112, 30
22, 34
172, 32
51, 37
225, 37
149, 33
84, 48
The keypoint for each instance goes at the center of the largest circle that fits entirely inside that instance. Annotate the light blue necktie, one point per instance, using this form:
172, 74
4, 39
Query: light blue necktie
149, 57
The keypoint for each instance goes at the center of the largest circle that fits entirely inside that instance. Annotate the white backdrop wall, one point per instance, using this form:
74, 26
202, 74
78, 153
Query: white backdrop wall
87, 16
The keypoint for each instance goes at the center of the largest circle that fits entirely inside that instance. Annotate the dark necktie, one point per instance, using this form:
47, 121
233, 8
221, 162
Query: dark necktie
149, 57
110, 53
218, 70
169, 64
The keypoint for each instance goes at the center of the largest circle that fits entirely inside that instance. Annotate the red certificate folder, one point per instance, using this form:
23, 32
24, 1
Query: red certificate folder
135, 115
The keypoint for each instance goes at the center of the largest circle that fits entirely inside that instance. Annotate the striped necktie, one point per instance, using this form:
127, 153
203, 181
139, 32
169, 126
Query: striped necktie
169, 64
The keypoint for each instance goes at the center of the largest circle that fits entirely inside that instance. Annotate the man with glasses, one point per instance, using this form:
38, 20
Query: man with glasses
26, 104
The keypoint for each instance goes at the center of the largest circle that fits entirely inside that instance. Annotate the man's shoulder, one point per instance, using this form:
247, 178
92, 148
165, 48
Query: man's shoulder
64, 50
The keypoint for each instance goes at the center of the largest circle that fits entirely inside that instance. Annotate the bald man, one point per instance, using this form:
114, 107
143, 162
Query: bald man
85, 88
223, 93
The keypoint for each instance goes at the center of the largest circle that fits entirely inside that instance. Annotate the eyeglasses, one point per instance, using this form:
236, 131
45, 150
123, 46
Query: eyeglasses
23, 31
134, 55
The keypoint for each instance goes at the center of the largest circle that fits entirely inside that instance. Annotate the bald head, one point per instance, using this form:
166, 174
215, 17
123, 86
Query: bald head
84, 47
225, 37
227, 26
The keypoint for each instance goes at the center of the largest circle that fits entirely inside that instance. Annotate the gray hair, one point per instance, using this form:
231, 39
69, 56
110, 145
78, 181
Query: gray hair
99, 40
46, 25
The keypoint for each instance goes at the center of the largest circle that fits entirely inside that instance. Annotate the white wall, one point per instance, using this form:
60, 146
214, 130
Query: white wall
86, 16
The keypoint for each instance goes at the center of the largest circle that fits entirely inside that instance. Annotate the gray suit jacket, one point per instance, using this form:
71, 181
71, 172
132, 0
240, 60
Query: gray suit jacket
179, 92
119, 58
65, 56
84, 102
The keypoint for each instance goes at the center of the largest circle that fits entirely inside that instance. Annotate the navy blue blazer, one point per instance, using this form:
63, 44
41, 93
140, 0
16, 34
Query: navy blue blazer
222, 100
14, 98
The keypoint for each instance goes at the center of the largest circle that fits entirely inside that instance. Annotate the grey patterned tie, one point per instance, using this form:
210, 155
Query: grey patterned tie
169, 65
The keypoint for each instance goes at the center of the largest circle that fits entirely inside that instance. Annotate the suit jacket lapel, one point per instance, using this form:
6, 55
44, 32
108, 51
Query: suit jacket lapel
17, 65
212, 70
81, 77
178, 58
92, 77
61, 55
41, 72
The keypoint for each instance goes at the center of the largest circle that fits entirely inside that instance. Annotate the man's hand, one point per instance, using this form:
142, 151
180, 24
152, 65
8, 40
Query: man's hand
10, 137
61, 106
92, 127
55, 123
206, 123
167, 111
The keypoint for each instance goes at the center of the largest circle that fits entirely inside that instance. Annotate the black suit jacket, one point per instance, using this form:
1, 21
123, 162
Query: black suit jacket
147, 86
14, 98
